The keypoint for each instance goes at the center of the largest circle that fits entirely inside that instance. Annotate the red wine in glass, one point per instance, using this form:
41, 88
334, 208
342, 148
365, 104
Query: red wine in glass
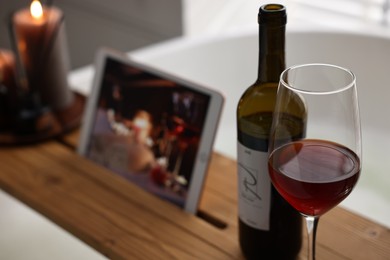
314, 175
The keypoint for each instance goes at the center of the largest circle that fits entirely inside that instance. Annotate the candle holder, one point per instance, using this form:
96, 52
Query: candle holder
44, 106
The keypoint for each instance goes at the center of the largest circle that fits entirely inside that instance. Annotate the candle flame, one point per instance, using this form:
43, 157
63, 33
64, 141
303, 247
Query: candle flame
36, 9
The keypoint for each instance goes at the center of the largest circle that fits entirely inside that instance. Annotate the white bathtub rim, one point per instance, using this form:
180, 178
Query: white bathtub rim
186, 42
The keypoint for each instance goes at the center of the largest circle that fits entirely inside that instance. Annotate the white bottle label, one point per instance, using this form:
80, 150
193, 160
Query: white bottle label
254, 187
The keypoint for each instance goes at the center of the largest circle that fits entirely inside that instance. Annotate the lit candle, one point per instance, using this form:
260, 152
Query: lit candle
41, 43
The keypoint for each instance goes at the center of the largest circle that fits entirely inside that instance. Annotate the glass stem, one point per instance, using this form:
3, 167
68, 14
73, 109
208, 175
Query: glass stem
311, 226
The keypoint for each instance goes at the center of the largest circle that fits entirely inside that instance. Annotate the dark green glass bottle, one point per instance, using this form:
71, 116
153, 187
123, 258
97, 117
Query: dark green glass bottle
269, 228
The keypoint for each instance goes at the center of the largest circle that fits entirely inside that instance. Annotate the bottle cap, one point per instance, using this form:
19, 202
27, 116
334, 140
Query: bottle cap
272, 14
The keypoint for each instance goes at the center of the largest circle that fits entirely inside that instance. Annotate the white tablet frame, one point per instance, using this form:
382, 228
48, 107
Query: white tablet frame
204, 152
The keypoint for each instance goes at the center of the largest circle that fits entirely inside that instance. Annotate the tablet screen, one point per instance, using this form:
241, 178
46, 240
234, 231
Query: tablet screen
147, 129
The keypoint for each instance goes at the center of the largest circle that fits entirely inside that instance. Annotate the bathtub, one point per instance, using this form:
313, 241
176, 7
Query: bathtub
228, 63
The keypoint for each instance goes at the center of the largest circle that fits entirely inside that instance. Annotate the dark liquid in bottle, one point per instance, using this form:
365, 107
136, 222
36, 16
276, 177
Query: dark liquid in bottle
285, 221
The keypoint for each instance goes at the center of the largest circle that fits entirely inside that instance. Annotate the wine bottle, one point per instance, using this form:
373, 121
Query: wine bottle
269, 228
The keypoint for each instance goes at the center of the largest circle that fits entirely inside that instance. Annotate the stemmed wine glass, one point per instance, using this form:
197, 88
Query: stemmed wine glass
315, 140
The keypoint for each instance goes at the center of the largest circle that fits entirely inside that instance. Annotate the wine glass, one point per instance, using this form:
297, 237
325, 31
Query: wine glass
315, 140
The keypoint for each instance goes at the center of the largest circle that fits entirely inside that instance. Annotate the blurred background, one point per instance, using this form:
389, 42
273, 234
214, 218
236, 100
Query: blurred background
130, 24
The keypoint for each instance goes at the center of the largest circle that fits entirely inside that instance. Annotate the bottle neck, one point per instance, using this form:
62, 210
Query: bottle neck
271, 53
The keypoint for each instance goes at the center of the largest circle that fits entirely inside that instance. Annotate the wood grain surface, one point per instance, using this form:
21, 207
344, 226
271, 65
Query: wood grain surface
123, 222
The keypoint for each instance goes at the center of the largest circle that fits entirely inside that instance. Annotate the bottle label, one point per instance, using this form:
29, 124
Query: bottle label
254, 187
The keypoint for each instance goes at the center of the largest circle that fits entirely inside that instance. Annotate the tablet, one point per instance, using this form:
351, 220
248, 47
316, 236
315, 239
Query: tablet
152, 128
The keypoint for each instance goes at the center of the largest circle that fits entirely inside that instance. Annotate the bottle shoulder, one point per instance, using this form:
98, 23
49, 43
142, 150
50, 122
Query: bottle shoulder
262, 89
258, 97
